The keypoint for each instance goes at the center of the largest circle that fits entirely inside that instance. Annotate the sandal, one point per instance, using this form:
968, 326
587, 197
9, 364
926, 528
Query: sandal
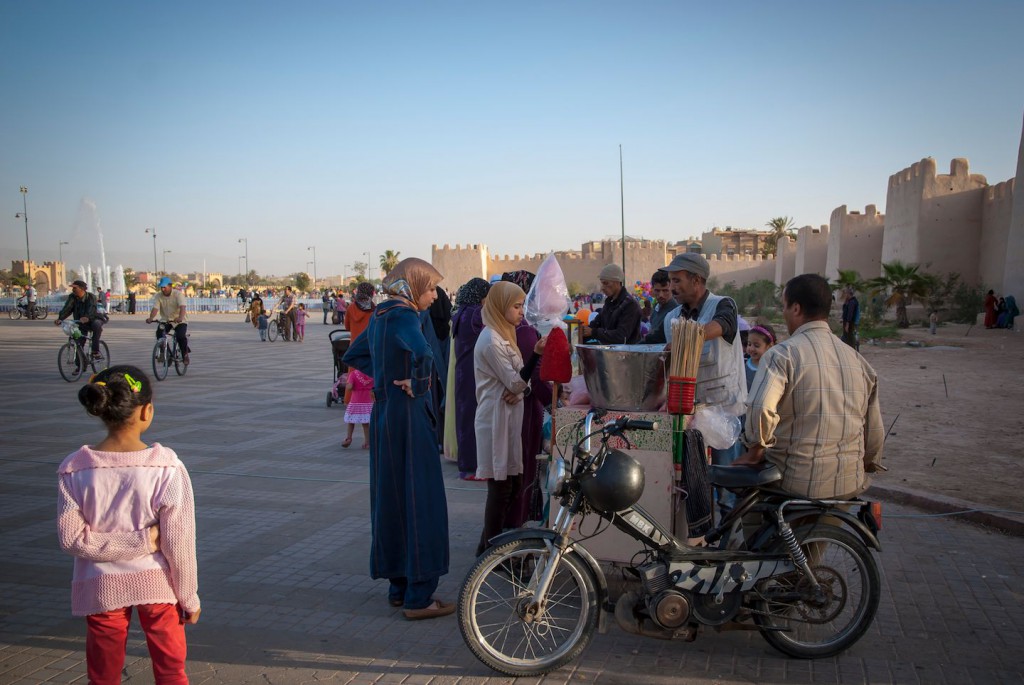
346, 442
435, 609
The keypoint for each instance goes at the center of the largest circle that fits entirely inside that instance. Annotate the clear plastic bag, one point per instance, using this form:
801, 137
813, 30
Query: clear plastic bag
548, 299
720, 429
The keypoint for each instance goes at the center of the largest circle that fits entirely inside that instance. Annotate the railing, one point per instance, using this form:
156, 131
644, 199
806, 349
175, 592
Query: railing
143, 305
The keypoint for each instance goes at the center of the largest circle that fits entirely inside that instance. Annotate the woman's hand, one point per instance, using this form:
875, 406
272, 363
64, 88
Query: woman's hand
541, 344
193, 618
511, 397
406, 385
154, 538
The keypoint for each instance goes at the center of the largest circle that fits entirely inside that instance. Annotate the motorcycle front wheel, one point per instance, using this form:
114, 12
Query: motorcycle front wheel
795, 622
14, 313
497, 598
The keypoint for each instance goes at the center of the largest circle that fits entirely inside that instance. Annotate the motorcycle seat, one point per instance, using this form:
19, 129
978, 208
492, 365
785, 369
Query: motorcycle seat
745, 476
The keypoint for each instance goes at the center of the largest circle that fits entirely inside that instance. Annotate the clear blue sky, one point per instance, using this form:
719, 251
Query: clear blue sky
365, 126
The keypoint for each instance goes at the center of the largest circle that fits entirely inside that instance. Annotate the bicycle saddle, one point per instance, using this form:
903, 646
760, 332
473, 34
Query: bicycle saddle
744, 476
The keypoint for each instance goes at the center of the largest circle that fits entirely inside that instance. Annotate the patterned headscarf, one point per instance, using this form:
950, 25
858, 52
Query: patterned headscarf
473, 292
364, 296
501, 296
410, 279
522, 278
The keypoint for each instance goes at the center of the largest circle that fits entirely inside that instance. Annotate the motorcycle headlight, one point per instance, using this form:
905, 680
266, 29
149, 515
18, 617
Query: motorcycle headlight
556, 477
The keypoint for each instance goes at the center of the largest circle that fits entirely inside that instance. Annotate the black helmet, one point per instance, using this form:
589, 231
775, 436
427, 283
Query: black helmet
616, 485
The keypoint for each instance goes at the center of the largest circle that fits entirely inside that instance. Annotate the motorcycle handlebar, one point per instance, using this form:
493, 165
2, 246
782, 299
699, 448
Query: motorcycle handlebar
623, 423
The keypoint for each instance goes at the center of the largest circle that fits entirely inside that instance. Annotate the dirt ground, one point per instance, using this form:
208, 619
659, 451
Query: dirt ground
958, 404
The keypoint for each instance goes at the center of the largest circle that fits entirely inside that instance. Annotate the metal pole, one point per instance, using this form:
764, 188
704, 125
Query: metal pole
367, 265
24, 214
60, 250
153, 231
165, 260
246, 241
622, 205
313, 248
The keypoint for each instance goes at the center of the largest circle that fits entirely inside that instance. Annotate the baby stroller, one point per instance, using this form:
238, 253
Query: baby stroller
340, 340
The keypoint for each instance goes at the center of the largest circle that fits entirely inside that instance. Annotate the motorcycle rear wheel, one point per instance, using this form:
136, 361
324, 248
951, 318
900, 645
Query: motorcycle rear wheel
495, 595
848, 574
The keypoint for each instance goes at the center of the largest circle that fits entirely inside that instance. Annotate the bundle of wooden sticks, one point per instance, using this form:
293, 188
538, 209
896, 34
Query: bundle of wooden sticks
687, 343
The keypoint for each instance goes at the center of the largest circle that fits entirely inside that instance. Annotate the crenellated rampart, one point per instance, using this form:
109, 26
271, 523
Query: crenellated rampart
996, 219
855, 242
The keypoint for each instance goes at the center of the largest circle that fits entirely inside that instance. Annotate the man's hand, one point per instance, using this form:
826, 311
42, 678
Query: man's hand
149, 320
84, 319
587, 331
752, 457
57, 322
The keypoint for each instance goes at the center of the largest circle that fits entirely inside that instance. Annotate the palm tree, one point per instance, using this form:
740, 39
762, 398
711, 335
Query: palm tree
388, 261
901, 283
782, 226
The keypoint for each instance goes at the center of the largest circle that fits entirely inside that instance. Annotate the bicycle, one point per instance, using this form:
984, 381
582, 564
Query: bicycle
72, 359
166, 352
274, 326
20, 310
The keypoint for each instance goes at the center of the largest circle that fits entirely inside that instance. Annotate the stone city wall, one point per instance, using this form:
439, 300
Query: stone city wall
811, 250
855, 242
1013, 272
996, 218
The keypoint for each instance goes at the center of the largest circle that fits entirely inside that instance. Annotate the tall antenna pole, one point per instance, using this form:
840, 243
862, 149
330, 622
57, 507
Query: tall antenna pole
622, 205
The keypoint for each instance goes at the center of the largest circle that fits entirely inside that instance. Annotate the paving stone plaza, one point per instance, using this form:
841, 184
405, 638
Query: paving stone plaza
283, 532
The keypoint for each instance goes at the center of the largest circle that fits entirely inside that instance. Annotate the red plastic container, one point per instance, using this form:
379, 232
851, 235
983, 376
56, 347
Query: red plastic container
681, 393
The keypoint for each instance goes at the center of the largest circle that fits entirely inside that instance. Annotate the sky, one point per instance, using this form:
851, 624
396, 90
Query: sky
360, 127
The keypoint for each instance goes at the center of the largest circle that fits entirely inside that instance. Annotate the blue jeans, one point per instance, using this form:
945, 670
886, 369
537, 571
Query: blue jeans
417, 595
726, 499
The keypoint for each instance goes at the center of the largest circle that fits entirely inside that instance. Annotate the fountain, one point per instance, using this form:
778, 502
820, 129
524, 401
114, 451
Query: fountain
88, 218
118, 285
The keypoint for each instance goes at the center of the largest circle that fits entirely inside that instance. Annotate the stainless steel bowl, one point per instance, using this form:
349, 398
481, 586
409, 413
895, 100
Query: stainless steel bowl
625, 377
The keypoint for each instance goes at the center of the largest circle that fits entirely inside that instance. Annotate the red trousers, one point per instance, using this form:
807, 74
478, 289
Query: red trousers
107, 639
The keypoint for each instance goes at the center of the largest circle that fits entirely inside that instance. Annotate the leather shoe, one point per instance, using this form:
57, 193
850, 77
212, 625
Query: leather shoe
396, 602
435, 609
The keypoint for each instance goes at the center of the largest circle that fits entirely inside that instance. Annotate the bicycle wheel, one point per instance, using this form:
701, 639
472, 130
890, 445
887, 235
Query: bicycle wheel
14, 313
180, 367
272, 331
100, 364
160, 353
497, 597
69, 363
795, 622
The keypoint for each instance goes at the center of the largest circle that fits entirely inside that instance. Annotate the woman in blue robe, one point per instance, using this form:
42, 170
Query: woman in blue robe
408, 507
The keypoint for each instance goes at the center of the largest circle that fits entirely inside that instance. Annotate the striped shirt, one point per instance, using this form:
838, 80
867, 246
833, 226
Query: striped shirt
813, 406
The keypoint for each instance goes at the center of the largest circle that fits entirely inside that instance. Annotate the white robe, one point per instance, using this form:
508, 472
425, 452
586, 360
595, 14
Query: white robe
499, 425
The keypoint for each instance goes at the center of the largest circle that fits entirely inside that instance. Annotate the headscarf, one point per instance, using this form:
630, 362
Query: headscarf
522, 278
363, 296
500, 297
472, 292
441, 314
410, 279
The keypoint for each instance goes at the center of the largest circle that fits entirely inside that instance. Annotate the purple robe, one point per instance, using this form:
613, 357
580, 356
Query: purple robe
534, 404
466, 326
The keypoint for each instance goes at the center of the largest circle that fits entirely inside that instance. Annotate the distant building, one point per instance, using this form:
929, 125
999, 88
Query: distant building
46, 277
731, 241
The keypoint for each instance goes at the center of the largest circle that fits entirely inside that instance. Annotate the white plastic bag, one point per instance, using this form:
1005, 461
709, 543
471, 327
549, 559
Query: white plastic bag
720, 429
548, 299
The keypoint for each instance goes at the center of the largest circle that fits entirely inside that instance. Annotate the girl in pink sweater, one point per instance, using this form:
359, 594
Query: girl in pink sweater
126, 513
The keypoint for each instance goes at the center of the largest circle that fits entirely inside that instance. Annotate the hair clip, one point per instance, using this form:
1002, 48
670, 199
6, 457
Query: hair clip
135, 385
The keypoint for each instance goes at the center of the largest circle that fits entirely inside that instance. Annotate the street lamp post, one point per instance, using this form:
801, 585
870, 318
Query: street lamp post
60, 250
313, 248
240, 258
153, 231
24, 215
246, 241
166, 252
367, 265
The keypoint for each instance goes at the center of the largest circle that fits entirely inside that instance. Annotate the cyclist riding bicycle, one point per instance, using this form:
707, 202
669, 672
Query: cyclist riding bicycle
169, 310
30, 301
81, 304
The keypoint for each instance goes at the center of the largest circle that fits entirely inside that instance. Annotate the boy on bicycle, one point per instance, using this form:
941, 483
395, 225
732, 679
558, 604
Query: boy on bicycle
169, 310
81, 304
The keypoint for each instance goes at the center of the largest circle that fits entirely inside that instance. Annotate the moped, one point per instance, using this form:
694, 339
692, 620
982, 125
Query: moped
798, 570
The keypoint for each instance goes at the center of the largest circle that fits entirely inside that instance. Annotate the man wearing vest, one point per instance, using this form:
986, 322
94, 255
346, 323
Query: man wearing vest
720, 377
